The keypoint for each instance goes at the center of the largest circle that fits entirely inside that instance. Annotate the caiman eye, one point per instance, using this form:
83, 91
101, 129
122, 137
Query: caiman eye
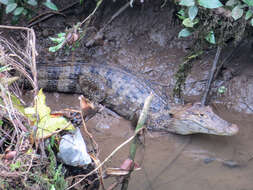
201, 114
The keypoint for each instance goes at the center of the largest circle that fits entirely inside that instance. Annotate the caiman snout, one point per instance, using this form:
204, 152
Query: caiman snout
195, 118
232, 129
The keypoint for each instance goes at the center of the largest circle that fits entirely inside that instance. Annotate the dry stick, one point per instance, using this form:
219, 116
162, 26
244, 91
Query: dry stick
134, 144
216, 59
108, 157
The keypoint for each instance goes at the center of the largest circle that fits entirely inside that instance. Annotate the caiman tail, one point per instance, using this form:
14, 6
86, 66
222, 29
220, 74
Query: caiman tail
125, 94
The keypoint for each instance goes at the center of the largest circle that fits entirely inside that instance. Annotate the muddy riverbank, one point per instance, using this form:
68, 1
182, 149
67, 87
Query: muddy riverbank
143, 40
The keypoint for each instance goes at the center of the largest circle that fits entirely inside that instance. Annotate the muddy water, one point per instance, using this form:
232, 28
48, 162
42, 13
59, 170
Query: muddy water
176, 162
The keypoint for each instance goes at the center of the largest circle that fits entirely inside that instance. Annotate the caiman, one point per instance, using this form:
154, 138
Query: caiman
125, 94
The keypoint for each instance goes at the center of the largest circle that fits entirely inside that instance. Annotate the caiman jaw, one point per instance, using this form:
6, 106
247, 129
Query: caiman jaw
192, 119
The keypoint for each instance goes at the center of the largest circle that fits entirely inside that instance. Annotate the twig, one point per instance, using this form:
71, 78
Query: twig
216, 59
134, 144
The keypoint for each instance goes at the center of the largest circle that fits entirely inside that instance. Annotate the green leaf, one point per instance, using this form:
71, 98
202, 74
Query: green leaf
187, 3
30, 111
56, 48
210, 37
10, 7
210, 4
251, 22
15, 166
5, 2
192, 12
62, 34
18, 11
48, 125
1, 123
25, 12
188, 23
57, 40
222, 90
231, 3
181, 14
32, 2
249, 14
184, 33
248, 2
42, 108
237, 12
50, 5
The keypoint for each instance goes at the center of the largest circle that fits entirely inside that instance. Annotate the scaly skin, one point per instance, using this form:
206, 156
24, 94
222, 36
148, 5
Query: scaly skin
125, 94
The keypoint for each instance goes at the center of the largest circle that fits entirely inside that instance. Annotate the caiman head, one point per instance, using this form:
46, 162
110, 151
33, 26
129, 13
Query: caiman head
194, 118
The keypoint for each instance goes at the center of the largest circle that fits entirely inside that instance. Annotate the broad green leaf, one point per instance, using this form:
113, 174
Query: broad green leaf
48, 125
10, 7
231, 3
4, 2
1, 123
32, 2
248, 15
42, 108
192, 12
188, 23
184, 33
237, 12
18, 11
251, 22
210, 4
187, 3
248, 2
210, 37
50, 5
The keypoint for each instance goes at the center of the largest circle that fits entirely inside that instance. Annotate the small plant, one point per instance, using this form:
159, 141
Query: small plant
235, 9
24, 7
222, 90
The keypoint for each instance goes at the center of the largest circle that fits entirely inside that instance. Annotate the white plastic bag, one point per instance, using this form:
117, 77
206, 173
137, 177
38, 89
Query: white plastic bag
73, 151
